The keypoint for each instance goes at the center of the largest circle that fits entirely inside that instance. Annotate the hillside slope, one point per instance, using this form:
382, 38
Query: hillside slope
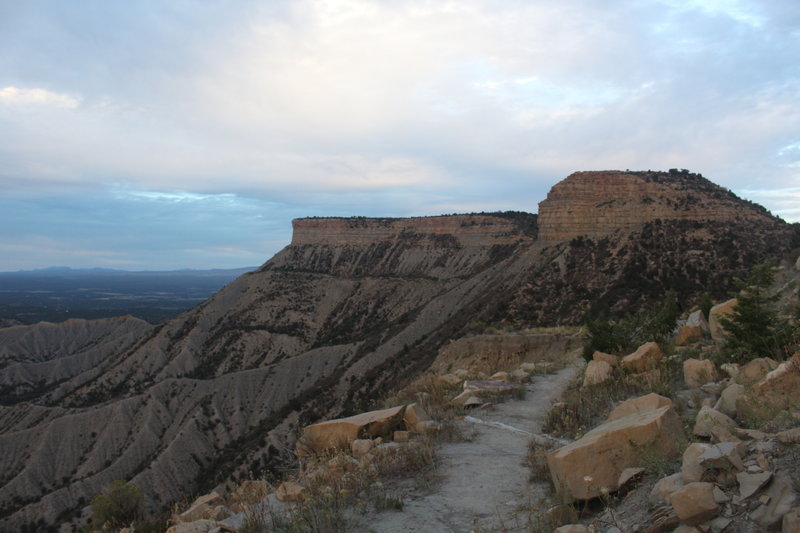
342, 314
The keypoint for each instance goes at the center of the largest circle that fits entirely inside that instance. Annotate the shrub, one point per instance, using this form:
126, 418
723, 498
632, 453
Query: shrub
119, 506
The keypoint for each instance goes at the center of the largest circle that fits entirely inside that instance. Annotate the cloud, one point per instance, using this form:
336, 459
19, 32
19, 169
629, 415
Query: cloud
37, 97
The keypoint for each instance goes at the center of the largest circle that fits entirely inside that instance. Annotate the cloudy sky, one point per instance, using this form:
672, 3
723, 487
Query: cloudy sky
188, 134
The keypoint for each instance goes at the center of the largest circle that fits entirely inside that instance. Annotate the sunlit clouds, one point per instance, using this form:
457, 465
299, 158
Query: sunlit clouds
354, 107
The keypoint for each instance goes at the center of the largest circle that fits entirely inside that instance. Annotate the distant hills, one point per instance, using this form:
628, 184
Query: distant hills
59, 293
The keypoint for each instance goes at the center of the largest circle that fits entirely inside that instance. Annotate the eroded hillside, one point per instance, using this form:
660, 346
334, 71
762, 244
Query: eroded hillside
336, 319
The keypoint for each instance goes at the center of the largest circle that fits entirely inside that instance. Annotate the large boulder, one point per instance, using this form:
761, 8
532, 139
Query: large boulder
338, 434
698, 320
691, 469
592, 465
612, 360
697, 372
717, 312
777, 392
664, 487
712, 423
780, 498
727, 400
755, 370
647, 402
646, 357
414, 414
202, 507
687, 334
597, 372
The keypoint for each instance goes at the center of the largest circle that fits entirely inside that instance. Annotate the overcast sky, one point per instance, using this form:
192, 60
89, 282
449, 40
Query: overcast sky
188, 134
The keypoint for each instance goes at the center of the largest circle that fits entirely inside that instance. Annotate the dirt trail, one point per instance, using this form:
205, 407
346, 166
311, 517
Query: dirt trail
484, 482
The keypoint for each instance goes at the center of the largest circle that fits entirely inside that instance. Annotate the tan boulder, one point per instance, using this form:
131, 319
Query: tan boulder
698, 372
727, 400
530, 368
202, 507
467, 398
400, 436
755, 370
664, 488
520, 376
791, 520
688, 334
749, 483
413, 415
698, 320
646, 357
612, 360
717, 312
712, 423
249, 492
592, 465
780, 497
648, 402
500, 376
694, 503
572, 528
725, 456
691, 469
779, 389
449, 380
289, 491
597, 372
339, 433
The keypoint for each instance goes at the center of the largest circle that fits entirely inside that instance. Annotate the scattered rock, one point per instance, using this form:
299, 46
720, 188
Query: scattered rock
732, 369
781, 497
413, 415
468, 398
749, 484
723, 456
691, 469
612, 360
755, 370
597, 372
572, 528
727, 400
339, 433
592, 465
361, 447
791, 520
400, 436
718, 311
202, 507
698, 372
644, 358
779, 388
289, 491
694, 503
712, 423
628, 475
500, 376
664, 488
687, 334
647, 402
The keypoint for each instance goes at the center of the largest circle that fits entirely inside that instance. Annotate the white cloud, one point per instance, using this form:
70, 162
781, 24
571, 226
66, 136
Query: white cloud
37, 97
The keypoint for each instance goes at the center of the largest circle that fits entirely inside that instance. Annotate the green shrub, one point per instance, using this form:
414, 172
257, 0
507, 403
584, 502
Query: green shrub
119, 506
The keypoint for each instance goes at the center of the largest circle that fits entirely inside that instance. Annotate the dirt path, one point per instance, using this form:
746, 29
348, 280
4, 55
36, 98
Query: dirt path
484, 485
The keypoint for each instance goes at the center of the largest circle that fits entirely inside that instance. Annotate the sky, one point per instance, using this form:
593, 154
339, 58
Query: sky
156, 135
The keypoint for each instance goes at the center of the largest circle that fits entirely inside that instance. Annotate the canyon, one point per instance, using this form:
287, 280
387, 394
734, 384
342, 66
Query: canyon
349, 309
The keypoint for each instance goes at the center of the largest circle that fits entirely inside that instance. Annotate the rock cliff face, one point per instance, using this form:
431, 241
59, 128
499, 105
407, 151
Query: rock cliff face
598, 204
335, 319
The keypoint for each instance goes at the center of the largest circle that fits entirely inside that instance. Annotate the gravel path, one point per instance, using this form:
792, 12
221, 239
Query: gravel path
484, 482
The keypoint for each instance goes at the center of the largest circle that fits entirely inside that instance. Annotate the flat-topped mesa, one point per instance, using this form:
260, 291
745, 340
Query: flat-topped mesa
464, 230
597, 204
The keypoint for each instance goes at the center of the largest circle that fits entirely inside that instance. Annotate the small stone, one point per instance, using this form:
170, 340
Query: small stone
361, 447
712, 423
500, 376
530, 368
664, 487
628, 475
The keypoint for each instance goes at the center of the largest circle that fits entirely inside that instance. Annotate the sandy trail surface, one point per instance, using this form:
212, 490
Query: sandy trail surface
484, 483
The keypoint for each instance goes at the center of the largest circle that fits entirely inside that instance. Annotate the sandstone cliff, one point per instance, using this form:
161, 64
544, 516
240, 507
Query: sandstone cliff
334, 320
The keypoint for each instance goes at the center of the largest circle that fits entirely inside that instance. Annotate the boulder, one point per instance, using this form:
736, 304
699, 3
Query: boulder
755, 370
400, 436
201, 507
612, 360
648, 402
698, 372
520, 376
500, 376
289, 491
449, 380
698, 320
712, 423
413, 415
691, 469
339, 433
597, 372
646, 357
687, 334
779, 389
780, 499
664, 488
530, 368
717, 312
694, 503
727, 400
592, 465
467, 398
723, 456
572, 528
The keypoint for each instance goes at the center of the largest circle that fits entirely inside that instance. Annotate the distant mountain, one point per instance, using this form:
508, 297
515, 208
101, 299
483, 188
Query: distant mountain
346, 311
60, 293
